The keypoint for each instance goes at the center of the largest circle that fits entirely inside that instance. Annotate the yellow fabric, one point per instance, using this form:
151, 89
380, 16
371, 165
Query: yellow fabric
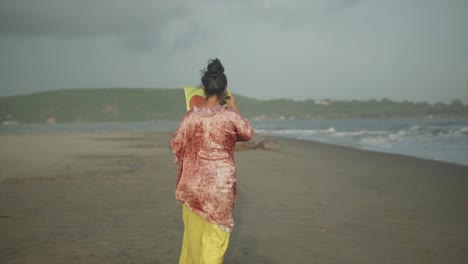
203, 242
191, 91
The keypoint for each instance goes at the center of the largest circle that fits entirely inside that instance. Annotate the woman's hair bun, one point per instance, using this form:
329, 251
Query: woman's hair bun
214, 80
214, 67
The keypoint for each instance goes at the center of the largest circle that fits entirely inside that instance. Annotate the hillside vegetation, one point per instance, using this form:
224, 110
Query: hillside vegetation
133, 104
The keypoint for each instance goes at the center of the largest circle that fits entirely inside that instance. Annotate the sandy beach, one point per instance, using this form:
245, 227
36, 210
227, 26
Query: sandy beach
109, 198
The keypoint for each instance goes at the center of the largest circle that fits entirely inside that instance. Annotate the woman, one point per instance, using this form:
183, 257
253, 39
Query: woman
203, 146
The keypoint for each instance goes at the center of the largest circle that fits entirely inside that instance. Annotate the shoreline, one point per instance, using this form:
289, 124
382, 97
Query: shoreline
257, 138
252, 118
328, 144
434, 140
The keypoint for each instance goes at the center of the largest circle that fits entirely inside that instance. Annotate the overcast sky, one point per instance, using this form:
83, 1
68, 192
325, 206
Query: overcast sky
339, 49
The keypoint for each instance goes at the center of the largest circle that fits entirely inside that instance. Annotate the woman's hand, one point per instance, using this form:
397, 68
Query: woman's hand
232, 103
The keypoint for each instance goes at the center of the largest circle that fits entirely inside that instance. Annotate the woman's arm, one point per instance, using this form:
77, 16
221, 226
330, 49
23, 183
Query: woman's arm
232, 103
243, 128
178, 140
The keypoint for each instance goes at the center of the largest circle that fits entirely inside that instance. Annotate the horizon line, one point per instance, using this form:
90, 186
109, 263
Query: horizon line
249, 97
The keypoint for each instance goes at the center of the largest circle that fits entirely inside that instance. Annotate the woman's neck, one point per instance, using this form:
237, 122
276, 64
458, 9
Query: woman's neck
211, 102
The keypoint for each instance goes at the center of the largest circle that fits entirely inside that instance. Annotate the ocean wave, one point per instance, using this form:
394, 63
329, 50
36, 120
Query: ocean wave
329, 131
385, 138
464, 130
376, 141
447, 140
293, 132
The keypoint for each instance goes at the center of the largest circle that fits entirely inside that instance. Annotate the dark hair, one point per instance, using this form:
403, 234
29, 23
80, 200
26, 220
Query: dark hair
214, 80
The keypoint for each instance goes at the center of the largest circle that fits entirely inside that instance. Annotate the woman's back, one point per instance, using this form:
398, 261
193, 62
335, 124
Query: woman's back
214, 132
204, 146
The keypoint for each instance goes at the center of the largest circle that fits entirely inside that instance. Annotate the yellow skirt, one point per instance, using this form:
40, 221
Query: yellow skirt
204, 242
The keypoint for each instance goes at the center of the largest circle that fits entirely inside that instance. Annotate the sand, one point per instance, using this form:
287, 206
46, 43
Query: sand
109, 198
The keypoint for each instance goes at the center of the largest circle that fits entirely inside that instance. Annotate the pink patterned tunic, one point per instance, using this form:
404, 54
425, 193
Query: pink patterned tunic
204, 149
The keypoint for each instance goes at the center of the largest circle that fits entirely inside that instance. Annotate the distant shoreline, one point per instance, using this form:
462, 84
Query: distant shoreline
128, 104
15, 122
258, 137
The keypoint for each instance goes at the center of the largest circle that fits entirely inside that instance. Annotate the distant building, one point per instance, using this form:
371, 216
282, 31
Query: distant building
108, 109
259, 118
323, 102
11, 122
51, 120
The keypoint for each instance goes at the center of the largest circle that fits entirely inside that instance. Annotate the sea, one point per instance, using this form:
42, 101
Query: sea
435, 139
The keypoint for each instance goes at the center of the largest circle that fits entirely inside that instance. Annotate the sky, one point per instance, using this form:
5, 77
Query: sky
312, 49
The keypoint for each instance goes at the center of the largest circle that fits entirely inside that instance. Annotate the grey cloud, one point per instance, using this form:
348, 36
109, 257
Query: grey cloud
338, 5
347, 49
183, 36
86, 17
184, 41
287, 13
142, 41
140, 22
284, 17
283, 13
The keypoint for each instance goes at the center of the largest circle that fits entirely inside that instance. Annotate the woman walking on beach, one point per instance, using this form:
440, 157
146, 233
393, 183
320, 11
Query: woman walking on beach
203, 146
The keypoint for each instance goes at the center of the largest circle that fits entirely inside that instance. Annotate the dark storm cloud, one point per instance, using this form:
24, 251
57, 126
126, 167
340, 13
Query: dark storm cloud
341, 49
86, 17
139, 23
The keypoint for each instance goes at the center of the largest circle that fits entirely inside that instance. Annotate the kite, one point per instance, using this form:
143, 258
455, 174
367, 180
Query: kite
195, 96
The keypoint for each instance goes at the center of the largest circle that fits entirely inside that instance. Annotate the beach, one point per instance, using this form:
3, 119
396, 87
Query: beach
109, 198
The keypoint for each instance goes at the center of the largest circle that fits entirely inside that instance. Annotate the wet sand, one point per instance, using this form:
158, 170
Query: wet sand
109, 198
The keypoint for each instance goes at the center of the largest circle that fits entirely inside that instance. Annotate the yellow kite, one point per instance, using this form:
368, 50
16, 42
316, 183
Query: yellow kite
195, 96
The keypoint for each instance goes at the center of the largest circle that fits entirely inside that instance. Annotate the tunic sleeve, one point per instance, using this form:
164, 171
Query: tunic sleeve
178, 140
243, 128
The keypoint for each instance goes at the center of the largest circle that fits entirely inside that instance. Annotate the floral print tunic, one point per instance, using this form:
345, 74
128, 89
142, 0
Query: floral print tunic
203, 146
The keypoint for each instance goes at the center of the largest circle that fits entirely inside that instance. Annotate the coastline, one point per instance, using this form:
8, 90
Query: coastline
434, 140
109, 197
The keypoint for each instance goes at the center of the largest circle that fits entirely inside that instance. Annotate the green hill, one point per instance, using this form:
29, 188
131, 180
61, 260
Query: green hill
125, 104
94, 105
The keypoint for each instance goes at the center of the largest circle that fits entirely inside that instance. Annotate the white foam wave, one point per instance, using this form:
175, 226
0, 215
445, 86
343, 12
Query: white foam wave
398, 136
330, 132
384, 138
293, 132
422, 140
375, 141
